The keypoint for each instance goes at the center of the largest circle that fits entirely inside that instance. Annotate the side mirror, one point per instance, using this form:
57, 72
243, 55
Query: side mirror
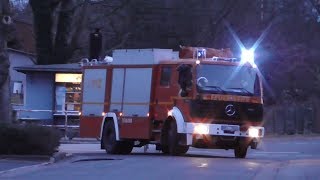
185, 78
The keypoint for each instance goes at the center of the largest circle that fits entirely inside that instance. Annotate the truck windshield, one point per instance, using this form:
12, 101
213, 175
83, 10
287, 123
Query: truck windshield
223, 79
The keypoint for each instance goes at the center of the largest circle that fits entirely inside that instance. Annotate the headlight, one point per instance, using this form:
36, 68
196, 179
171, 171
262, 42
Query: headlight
201, 129
253, 132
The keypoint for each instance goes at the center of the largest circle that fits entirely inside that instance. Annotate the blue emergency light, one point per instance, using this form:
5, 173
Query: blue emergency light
248, 56
201, 53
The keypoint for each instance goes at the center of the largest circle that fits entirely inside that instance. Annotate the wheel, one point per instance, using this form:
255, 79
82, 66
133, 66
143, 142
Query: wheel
254, 145
183, 149
173, 140
109, 139
165, 149
125, 147
240, 151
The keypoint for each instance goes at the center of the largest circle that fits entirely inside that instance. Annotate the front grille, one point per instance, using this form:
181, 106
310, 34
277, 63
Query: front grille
216, 110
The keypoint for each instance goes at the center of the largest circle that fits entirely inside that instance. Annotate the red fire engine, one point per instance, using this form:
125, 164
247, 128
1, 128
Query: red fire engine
151, 96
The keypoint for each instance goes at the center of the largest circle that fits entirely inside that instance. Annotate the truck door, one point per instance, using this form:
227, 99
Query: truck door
130, 95
166, 89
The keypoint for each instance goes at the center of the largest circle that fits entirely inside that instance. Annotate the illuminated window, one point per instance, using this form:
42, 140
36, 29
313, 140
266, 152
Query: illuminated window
72, 78
68, 93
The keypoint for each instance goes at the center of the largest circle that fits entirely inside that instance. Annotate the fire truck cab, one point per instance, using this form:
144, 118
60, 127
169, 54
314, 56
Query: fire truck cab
151, 96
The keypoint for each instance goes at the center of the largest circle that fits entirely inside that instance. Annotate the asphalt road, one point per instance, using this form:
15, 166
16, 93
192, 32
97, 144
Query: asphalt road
277, 158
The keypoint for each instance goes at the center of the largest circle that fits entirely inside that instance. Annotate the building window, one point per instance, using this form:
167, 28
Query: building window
68, 93
72, 78
165, 76
17, 93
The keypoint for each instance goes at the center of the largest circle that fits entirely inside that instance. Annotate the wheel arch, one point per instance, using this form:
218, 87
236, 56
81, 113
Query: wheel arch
106, 118
178, 117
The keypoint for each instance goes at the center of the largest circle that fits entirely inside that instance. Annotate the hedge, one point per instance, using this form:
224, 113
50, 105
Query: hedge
28, 139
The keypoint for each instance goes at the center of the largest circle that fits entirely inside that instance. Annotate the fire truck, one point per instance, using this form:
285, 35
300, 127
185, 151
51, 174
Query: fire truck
153, 96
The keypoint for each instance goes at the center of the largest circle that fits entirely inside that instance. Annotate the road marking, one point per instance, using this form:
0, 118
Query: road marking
269, 156
277, 152
306, 155
299, 143
284, 143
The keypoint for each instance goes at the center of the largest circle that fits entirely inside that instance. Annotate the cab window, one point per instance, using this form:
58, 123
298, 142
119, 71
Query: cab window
165, 76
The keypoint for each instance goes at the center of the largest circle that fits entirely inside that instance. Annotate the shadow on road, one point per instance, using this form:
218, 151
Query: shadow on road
85, 157
185, 155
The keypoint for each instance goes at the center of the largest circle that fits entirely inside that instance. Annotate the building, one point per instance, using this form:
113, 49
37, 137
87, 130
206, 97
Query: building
17, 79
21, 52
50, 90
40, 93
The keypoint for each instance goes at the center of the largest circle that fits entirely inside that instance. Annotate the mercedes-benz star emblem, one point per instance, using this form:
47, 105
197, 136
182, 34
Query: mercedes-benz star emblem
230, 110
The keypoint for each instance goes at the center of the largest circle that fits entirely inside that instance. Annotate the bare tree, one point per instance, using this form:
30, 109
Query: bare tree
61, 26
109, 16
5, 21
50, 50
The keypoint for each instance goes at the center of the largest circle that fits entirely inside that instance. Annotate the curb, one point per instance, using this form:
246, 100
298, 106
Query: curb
59, 156
80, 141
26, 157
56, 157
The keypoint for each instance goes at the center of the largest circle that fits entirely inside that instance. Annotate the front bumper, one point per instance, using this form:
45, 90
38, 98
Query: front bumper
222, 130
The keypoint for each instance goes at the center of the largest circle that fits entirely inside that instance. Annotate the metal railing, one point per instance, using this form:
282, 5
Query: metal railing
64, 126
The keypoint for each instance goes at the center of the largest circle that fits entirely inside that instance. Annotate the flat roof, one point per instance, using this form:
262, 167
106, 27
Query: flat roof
65, 68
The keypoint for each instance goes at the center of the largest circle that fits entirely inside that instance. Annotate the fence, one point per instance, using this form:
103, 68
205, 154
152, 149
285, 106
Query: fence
65, 126
289, 120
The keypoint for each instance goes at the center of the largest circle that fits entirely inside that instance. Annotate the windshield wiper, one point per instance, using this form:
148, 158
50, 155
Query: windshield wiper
215, 87
243, 90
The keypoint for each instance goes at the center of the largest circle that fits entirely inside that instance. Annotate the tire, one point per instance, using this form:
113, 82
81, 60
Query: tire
173, 140
183, 149
125, 147
240, 151
109, 139
254, 145
165, 150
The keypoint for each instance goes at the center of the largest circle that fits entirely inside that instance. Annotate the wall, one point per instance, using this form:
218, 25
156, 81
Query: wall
39, 95
18, 58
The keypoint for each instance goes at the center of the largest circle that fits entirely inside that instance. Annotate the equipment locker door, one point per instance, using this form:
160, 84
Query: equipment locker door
93, 101
130, 95
94, 90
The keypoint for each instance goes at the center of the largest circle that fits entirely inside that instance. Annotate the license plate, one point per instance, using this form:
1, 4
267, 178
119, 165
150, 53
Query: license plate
230, 128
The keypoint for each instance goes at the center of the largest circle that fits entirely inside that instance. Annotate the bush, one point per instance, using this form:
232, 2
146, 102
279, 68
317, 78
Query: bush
29, 139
